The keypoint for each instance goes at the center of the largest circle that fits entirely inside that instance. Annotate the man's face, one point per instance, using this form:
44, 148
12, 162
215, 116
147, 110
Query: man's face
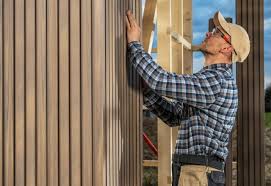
214, 42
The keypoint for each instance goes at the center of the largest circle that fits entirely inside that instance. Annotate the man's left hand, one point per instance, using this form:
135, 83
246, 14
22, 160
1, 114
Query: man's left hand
133, 30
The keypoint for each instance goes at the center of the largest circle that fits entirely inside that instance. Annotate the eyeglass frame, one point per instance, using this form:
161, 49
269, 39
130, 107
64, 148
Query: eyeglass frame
224, 36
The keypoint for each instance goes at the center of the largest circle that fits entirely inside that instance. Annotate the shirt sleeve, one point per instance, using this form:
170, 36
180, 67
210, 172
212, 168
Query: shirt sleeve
198, 90
170, 111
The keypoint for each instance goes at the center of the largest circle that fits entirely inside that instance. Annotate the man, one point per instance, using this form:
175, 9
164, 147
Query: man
204, 104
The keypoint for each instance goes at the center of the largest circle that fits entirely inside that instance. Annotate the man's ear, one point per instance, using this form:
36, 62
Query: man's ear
227, 49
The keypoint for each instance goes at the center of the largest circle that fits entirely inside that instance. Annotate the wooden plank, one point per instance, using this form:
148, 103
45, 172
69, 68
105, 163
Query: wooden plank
261, 102
64, 122
177, 52
108, 51
150, 163
30, 93
98, 92
164, 57
251, 90
132, 113
251, 103
86, 88
1, 95
121, 109
187, 34
75, 62
148, 24
41, 92
52, 92
114, 58
8, 92
240, 107
177, 26
20, 93
139, 111
124, 111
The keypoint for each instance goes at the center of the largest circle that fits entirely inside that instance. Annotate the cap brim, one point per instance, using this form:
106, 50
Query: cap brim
219, 20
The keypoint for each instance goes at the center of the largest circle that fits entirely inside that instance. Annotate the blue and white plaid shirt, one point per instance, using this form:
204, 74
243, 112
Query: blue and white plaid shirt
203, 105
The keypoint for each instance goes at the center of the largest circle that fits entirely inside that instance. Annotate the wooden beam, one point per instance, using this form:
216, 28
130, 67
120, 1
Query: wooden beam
174, 15
149, 20
187, 34
164, 53
250, 80
150, 163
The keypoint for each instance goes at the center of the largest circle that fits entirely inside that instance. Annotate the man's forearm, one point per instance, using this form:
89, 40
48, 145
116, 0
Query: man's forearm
168, 111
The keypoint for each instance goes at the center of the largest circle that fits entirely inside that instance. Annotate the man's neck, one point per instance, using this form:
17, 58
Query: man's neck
209, 60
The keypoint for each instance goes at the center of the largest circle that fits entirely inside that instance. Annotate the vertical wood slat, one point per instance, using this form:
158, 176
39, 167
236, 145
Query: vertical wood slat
130, 110
98, 61
1, 96
139, 113
30, 93
64, 94
41, 92
187, 34
176, 66
125, 113
121, 96
164, 54
148, 29
62, 73
52, 92
251, 97
8, 89
20, 93
75, 120
108, 129
86, 92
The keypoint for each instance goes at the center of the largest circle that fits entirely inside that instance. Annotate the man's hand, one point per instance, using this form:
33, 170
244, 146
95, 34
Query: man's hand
133, 30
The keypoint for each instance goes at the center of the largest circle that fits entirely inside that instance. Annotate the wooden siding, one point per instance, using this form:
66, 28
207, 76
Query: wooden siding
70, 104
250, 80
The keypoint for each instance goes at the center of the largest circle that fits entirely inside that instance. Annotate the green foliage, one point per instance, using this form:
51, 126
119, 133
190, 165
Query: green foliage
267, 119
150, 176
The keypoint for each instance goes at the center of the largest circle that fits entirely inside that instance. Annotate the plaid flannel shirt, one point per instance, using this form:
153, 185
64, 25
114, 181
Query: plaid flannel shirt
203, 105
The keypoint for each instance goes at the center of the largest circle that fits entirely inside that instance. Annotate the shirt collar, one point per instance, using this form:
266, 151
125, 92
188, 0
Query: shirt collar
218, 65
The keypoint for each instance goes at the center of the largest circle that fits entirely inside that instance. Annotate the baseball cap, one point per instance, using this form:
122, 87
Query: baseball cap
239, 37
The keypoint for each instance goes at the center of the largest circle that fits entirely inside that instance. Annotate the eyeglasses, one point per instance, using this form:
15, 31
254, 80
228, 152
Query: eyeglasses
217, 31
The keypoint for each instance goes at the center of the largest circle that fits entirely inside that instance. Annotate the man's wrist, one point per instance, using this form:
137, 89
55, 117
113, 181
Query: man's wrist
133, 42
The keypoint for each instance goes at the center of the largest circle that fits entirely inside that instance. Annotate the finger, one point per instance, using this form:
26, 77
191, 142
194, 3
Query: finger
131, 21
134, 20
127, 23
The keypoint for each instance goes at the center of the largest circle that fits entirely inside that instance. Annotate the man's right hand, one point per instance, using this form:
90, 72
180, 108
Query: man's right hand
133, 30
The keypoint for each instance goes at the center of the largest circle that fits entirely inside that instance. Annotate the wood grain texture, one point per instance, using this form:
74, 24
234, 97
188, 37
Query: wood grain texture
250, 82
8, 89
41, 92
20, 122
1, 96
52, 92
30, 57
70, 104
64, 94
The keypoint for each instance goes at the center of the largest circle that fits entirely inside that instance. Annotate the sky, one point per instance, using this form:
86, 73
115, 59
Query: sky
203, 10
267, 42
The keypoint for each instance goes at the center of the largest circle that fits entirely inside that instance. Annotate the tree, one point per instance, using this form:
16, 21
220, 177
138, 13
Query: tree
268, 99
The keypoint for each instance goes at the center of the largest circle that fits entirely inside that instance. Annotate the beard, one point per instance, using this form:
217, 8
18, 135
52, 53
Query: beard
204, 48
